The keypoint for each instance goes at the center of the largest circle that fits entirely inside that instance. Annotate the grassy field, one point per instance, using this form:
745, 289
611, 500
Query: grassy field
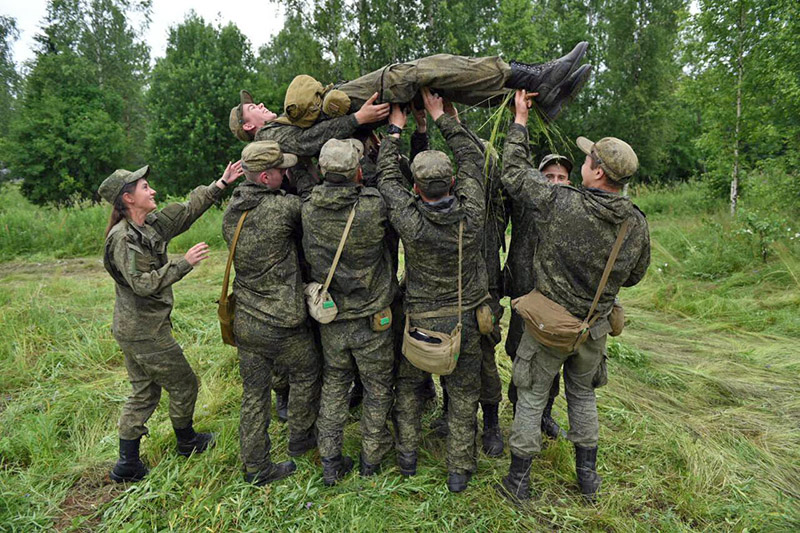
700, 422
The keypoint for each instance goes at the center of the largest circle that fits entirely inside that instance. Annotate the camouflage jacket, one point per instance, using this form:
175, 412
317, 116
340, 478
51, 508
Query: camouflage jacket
518, 272
576, 229
268, 283
430, 232
136, 257
364, 282
307, 142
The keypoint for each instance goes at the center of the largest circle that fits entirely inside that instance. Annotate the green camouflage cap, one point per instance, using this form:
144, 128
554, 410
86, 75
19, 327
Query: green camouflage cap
341, 157
616, 157
262, 155
112, 185
555, 159
237, 117
432, 171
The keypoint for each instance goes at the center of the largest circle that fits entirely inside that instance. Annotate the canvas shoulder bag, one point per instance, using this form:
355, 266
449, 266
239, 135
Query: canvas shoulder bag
321, 306
550, 323
432, 351
227, 302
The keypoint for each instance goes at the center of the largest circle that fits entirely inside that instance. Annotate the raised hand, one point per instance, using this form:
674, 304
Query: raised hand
450, 109
232, 172
197, 253
398, 117
371, 112
433, 103
420, 117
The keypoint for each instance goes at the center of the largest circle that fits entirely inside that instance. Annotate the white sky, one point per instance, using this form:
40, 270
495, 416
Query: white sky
257, 19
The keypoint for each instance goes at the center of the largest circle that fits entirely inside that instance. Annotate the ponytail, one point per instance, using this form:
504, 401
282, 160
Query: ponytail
118, 209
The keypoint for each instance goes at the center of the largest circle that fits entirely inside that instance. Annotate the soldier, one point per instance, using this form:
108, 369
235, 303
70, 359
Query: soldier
270, 324
363, 287
472, 81
568, 266
428, 224
518, 278
136, 257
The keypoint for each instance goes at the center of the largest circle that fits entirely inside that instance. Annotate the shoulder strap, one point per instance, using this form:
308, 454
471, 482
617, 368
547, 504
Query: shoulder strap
341, 247
230, 256
460, 236
607, 272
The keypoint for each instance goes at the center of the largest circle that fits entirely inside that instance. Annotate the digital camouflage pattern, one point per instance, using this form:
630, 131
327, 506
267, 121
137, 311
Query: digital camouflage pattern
265, 350
307, 142
347, 345
270, 323
262, 155
430, 238
616, 157
112, 185
136, 257
430, 232
154, 364
577, 228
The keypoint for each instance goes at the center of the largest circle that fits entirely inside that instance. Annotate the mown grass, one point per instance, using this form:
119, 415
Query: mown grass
699, 423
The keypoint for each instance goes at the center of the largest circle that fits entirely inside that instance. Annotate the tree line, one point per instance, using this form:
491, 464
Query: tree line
707, 90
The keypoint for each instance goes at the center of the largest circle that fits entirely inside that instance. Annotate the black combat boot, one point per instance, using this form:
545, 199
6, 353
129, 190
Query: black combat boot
492, 438
189, 441
272, 472
566, 92
300, 445
458, 482
439, 425
544, 78
129, 467
586, 468
356, 393
407, 463
549, 426
282, 405
335, 468
516, 486
367, 469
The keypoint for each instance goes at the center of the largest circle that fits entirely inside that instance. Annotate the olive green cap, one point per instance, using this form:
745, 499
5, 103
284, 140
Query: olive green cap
432, 171
341, 157
112, 185
237, 117
616, 157
262, 155
555, 159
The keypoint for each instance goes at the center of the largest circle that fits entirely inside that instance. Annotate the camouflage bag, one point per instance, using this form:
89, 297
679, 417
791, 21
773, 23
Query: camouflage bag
432, 351
321, 306
550, 323
227, 303
304, 102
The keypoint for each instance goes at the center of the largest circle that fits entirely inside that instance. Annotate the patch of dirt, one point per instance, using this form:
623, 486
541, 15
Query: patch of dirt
89, 493
65, 267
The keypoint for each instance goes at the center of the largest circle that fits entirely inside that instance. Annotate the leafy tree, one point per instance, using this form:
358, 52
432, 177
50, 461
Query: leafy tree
78, 113
192, 90
9, 78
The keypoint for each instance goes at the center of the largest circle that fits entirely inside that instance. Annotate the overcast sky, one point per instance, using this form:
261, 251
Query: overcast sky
257, 19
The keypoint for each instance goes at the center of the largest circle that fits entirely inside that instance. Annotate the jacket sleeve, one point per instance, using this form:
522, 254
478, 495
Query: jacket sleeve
305, 181
178, 217
640, 269
307, 142
132, 263
521, 180
403, 214
469, 160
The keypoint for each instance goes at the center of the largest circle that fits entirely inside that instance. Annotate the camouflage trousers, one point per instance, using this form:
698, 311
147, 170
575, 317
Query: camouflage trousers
347, 345
463, 387
516, 328
491, 387
153, 365
261, 349
464, 80
534, 368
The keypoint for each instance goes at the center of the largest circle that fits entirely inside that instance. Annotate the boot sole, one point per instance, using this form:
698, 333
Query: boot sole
123, 479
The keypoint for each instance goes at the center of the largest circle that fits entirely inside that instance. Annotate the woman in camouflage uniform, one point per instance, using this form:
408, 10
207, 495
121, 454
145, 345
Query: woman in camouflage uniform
136, 257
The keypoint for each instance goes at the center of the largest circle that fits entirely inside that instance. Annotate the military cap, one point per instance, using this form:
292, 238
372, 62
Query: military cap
432, 170
262, 155
236, 121
112, 185
341, 157
616, 157
553, 159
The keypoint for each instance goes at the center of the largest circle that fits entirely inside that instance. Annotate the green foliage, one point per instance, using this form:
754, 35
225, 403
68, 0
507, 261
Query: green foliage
79, 116
9, 78
192, 91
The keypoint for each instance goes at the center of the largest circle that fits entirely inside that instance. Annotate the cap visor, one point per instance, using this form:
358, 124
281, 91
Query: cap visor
245, 97
585, 145
138, 174
289, 160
